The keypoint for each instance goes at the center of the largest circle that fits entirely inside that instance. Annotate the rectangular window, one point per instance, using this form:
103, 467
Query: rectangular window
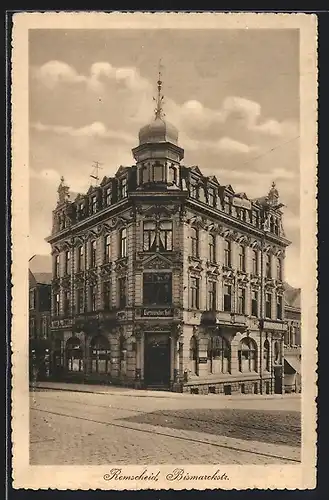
279, 306
107, 248
157, 288
81, 260
241, 300
194, 191
93, 204
242, 258
123, 188
165, 236
212, 295
108, 196
67, 262
195, 292
107, 295
195, 242
122, 292
227, 205
254, 218
93, 297
32, 333
56, 266
32, 299
80, 301
149, 236
211, 197
255, 262
268, 305
93, 249
212, 248
227, 253
56, 304
228, 298
279, 269
67, 303
268, 266
123, 242
254, 303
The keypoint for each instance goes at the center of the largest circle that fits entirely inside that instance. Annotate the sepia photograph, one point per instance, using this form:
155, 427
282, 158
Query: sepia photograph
168, 259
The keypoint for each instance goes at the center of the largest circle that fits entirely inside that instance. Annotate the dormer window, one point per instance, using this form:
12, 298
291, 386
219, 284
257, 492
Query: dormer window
211, 197
93, 204
123, 191
108, 195
194, 190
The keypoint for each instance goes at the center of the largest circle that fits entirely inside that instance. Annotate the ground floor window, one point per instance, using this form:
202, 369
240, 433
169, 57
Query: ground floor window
219, 355
74, 355
100, 354
266, 355
194, 355
247, 355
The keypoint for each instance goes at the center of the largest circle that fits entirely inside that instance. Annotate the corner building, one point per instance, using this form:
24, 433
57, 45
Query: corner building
165, 278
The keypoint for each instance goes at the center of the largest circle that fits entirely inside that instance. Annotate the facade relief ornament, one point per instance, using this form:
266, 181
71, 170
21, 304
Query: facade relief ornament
106, 269
121, 265
215, 228
199, 222
118, 223
66, 282
157, 262
91, 277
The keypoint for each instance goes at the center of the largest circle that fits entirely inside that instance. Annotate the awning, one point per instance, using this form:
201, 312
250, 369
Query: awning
292, 363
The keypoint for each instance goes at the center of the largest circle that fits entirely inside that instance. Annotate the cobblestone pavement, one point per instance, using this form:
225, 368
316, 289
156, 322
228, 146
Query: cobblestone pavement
126, 427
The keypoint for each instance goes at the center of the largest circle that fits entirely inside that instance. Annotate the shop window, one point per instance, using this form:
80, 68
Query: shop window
194, 355
219, 355
247, 355
74, 355
100, 354
266, 355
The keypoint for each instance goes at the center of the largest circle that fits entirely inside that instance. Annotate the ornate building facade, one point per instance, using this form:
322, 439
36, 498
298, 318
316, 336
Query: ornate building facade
163, 277
292, 340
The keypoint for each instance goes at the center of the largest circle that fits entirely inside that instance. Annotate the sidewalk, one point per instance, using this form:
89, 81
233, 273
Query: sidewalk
140, 393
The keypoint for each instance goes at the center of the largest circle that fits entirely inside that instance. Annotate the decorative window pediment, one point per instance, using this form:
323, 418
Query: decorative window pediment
198, 222
216, 228
255, 244
118, 223
103, 229
157, 262
243, 240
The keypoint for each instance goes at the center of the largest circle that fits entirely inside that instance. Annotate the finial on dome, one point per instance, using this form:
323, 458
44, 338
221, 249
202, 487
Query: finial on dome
159, 99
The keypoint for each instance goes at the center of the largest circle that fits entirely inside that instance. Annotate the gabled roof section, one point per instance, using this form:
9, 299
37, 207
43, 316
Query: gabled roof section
121, 170
195, 170
229, 189
105, 180
213, 179
242, 195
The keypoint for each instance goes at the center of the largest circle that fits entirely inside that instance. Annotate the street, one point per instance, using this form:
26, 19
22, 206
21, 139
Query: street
124, 426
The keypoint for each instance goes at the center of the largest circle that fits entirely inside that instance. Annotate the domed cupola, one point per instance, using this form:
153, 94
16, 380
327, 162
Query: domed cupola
158, 154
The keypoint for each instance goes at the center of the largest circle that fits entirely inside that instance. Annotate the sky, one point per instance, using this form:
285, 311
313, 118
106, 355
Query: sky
232, 94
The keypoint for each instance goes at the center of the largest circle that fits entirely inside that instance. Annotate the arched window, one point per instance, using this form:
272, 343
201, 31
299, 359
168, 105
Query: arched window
194, 355
100, 354
266, 355
247, 354
219, 354
74, 355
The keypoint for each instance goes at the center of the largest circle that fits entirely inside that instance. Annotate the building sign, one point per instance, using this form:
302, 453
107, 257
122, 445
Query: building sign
203, 360
241, 203
157, 313
271, 325
61, 323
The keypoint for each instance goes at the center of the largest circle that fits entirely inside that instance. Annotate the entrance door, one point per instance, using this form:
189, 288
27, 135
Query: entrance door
278, 380
157, 360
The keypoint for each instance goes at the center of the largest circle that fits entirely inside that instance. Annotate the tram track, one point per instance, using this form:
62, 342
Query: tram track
166, 434
178, 417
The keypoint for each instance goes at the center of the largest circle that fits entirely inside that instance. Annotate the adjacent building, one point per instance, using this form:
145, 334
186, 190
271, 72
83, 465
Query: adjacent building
163, 277
292, 340
39, 323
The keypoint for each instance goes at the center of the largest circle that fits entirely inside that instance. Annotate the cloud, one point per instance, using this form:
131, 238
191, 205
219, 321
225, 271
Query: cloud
230, 145
96, 129
53, 73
